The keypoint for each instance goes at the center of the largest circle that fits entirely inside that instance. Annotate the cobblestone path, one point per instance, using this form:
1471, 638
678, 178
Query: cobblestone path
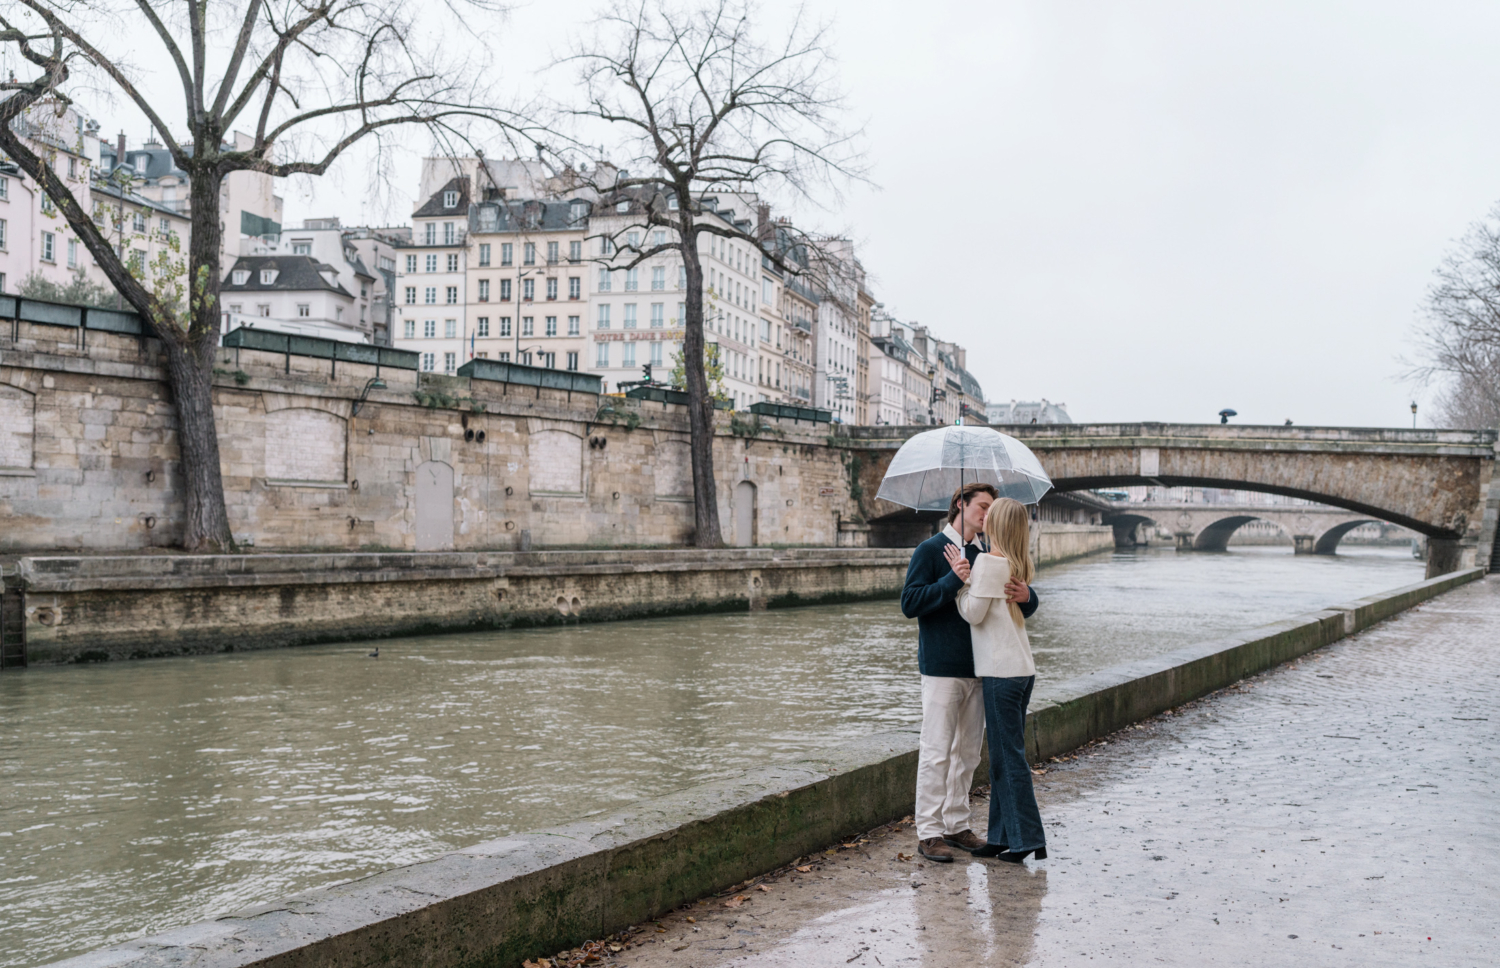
1339, 810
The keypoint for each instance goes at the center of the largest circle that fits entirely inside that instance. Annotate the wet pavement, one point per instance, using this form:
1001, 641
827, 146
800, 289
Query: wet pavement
1339, 810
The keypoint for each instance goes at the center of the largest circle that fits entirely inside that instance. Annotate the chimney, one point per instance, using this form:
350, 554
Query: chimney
763, 230
120, 150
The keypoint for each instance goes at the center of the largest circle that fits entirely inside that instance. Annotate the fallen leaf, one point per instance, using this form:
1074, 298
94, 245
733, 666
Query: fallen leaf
692, 920
804, 870
615, 947
762, 887
736, 901
900, 856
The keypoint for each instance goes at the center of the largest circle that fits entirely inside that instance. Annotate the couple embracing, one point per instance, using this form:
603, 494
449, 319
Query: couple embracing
968, 588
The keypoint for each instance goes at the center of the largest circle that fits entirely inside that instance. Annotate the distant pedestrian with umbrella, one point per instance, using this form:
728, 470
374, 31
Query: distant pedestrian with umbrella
1002, 660
962, 470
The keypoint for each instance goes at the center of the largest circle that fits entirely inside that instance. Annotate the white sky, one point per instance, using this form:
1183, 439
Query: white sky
1146, 210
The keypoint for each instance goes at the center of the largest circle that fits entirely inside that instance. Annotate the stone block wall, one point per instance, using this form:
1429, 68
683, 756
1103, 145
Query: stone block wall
88, 459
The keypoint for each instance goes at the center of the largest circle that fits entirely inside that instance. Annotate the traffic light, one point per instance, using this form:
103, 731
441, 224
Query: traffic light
647, 371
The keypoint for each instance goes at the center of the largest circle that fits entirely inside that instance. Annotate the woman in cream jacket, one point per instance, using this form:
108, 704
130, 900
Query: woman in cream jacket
1002, 659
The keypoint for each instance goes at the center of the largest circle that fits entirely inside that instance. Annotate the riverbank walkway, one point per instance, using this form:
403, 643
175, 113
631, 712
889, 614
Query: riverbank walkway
1338, 810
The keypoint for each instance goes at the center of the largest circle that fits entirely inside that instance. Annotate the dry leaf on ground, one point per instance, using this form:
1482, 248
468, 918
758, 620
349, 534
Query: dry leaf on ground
805, 870
736, 901
762, 887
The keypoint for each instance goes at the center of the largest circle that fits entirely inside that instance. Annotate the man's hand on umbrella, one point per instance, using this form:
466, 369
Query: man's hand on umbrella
1016, 591
957, 561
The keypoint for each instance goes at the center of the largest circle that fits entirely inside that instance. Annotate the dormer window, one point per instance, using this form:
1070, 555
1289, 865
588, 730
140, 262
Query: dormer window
268, 276
450, 199
622, 207
580, 211
672, 203
241, 276
140, 163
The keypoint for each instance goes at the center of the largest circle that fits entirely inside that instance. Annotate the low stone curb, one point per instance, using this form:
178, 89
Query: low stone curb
518, 897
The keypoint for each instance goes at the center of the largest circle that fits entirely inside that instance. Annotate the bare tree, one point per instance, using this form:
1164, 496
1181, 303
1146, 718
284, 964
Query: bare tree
697, 106
1459, 337
312, 77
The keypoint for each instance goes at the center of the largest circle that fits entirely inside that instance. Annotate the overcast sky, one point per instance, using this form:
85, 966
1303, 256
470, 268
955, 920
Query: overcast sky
1146, 210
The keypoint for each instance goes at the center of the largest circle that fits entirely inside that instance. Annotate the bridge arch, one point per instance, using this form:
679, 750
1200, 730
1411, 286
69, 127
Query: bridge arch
1328, 541
1215, 537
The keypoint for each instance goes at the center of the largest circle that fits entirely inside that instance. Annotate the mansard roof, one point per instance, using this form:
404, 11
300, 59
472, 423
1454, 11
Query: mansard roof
295, 273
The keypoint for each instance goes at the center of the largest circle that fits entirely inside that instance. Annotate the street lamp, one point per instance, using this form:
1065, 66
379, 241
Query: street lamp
1414, 415
374, 383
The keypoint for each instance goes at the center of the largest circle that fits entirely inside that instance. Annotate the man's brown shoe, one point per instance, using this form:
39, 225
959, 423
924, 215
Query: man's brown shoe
933, 848
964, 840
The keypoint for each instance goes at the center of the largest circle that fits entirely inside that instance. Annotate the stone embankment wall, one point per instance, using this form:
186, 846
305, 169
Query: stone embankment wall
100, 608
532, 894
88, 458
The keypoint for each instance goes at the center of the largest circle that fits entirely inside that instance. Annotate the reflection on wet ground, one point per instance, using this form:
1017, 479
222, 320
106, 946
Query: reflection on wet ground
139, 796
1335, 811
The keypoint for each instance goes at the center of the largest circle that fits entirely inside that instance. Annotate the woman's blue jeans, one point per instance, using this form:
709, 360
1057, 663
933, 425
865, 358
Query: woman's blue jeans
1015, 821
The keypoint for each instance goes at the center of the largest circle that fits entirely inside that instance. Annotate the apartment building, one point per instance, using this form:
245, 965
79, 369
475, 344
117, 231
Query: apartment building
863, 399
431, 274
35, 239
838, 281
526, 280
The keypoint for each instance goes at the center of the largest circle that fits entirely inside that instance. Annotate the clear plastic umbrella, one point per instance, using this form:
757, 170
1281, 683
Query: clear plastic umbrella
932, 465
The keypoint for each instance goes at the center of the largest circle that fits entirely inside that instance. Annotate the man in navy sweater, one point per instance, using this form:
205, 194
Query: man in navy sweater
952, 697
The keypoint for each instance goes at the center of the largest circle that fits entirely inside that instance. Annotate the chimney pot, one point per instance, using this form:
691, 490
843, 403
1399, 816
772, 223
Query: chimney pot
120, 150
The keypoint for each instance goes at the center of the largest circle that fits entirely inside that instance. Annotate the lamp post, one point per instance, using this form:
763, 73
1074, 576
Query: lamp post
374, 383
1414, 415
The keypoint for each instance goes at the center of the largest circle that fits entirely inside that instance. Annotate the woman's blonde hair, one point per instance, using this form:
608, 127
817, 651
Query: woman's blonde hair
1007, 527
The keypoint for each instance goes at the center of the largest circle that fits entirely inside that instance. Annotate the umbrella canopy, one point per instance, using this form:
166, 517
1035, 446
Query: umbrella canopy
932, 465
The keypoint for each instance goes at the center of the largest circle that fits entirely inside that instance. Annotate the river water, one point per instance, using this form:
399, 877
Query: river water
139, 796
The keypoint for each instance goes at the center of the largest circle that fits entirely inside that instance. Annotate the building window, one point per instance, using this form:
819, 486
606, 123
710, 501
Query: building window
431, 236
549, 360
550, 326
606, 246
484, 253
504, 325
605, 280
411, 263
505, 253
671, 203
137, 221
503, 357
681, 314
552, 289
301, 248
604, 316
482, 327
450, 200
656, 354
528, 254
138, 262
572, 325
484, 290
505, 290
552, 253
411, 295
573, 360
268, 276
264, 309
453, 262
633, 240
431, 262
4, 188
409, 330
164, 226
575, 287
449, 236
427, 360
429, 329
524, 358
429, 295
602, 357
627, 353
49, 244
658, 315
575, 251
2, 230
72, 250
528, 290
682, 277
632, 280
304, 310
630, 315
451, 296
658, 278
450, 328
528, 325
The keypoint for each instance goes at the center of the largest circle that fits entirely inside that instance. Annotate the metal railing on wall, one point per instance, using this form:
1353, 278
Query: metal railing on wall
318, 347
23, 309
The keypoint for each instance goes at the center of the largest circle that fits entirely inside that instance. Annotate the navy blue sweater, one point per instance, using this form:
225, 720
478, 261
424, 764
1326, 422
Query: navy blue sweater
944, 645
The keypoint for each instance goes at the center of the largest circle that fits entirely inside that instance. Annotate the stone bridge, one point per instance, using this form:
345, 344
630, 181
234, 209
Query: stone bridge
1435, 482
1208, 527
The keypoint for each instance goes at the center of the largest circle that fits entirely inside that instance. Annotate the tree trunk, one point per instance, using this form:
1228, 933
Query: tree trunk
190, 360
700, 404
